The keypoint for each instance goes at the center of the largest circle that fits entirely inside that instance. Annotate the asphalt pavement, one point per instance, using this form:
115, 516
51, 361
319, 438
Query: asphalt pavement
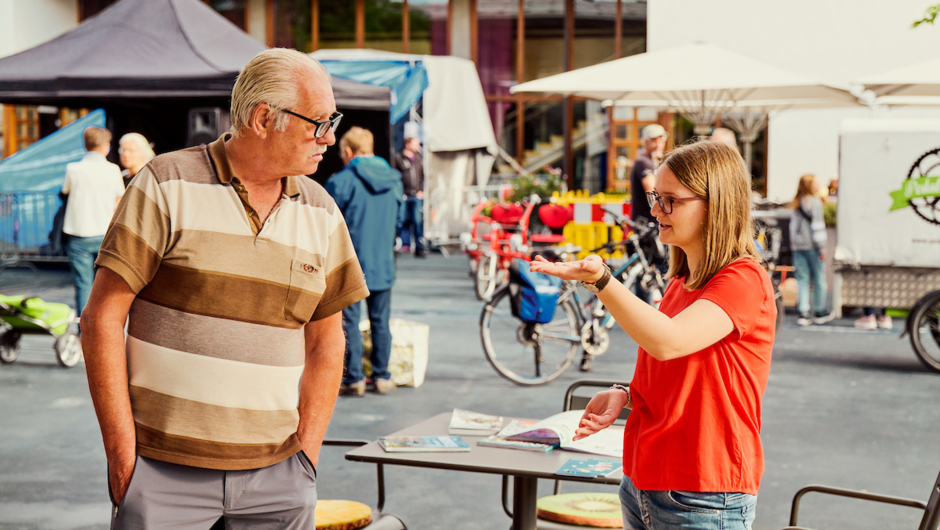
843, 407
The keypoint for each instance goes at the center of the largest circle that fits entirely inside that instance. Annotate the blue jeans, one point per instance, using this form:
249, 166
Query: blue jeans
82, 253
379, 303
661, 510
414, 211
809, 270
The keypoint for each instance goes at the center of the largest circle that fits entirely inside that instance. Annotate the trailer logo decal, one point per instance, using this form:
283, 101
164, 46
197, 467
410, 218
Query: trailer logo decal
921, 189
914, 189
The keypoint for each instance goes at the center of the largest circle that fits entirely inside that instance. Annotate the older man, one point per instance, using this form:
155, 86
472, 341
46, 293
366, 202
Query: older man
234, 270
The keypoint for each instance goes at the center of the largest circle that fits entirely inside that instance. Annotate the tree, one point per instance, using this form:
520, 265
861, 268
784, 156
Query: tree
929, 15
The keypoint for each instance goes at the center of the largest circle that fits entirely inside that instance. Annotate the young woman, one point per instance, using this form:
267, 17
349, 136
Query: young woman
692, 452
808, 243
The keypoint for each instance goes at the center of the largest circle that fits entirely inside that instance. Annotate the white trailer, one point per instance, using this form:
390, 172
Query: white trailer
888, 226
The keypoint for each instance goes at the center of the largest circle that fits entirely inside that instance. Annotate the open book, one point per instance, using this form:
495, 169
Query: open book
559, 429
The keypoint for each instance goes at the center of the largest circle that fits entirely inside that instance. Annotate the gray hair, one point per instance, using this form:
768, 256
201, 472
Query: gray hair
271, 77
142, 143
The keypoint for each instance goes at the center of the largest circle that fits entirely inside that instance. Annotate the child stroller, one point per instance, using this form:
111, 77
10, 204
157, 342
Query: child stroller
22, 314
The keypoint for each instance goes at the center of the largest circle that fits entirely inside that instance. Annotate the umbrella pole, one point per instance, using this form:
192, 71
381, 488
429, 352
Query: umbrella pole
747, 155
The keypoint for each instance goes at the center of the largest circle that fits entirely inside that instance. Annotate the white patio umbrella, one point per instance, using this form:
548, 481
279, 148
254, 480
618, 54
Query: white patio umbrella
920, 79
700, 81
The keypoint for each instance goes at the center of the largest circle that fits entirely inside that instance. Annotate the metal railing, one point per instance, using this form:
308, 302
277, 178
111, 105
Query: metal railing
30, 229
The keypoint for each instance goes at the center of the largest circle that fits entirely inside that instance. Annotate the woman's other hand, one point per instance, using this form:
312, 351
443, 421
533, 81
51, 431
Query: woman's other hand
590, 269
601, 412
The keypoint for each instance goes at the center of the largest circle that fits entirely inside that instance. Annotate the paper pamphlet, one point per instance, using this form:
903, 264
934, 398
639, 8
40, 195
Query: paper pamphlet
474, 423
424, 444
560, 429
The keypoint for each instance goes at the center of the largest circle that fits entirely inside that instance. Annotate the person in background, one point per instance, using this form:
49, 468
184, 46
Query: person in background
833, 188
725, 136
411, 165
692, 455
808, 243
135, 152
642, 176
369, 194
94, 188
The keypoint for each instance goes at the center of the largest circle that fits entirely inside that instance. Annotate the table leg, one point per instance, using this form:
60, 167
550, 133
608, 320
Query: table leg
524, 497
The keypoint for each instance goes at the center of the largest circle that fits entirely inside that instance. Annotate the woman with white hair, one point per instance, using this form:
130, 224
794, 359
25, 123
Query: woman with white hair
135, 152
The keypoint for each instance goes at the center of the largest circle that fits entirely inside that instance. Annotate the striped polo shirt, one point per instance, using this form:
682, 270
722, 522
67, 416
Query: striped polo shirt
215, 345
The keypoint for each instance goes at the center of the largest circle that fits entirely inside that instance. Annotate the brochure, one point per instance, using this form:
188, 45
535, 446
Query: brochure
424, 444
588, 467
474, 423
559, 429
496, 441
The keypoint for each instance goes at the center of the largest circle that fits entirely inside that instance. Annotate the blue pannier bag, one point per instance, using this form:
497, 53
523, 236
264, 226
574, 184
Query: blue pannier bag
533, 295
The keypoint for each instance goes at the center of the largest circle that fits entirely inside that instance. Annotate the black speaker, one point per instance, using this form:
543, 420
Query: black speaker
205, 125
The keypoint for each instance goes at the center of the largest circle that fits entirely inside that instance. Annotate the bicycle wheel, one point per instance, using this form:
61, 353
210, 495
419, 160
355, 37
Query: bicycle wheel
486, 278
528, 354
925, 331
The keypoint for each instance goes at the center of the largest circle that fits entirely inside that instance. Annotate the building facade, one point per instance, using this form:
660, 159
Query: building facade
511, 41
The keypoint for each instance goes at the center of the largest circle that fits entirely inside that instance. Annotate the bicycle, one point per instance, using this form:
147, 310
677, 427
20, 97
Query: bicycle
530, 354
768, 238
491, 254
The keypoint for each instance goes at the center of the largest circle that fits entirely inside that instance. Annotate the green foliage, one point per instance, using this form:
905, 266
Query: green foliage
829, 213
542, 183
929, 16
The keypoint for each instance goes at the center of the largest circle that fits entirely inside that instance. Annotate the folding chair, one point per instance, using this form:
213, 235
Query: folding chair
572, 401
930, 520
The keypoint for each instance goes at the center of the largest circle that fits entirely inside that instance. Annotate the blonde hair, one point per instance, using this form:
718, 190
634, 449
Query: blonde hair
95, 137
359, 140
272, 77
715, 172
803, 189
141, 143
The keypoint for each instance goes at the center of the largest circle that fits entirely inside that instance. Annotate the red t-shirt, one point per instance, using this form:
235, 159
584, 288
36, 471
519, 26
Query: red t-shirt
695, 424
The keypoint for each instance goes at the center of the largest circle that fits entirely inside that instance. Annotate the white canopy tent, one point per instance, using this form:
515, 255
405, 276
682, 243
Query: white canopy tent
459, 141
700, 81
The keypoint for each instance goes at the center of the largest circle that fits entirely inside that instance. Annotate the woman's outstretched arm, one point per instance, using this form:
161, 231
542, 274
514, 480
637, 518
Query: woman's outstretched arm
698, 326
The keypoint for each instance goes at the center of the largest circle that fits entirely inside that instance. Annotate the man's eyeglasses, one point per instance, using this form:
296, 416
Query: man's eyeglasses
665, 203
322, 127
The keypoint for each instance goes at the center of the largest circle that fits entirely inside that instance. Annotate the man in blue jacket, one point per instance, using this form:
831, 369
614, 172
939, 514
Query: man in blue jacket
369, 194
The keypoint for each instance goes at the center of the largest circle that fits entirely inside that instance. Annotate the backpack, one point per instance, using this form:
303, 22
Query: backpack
533, 295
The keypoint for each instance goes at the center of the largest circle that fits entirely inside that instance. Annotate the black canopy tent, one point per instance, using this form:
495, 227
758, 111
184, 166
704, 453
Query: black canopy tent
149, 62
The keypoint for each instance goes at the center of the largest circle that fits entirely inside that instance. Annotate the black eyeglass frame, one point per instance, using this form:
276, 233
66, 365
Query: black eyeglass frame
322, 127
652, 197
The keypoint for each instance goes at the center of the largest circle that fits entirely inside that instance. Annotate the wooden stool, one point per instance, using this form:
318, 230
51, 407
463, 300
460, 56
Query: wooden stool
341, 515
599, 510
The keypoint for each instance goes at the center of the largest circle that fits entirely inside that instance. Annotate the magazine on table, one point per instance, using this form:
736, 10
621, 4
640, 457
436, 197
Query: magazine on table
474, 423
589, 467
560, 428
424, 444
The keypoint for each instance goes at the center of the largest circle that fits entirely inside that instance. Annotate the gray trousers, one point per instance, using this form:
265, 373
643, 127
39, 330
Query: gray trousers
162, 495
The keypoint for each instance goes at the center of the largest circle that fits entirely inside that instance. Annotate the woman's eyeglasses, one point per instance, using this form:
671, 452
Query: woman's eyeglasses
322, 127
665, 203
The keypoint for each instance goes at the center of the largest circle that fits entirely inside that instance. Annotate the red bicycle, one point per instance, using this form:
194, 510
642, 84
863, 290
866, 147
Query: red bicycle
508, 237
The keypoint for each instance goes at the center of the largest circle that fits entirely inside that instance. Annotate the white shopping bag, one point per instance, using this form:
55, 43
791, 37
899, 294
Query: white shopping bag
409, 360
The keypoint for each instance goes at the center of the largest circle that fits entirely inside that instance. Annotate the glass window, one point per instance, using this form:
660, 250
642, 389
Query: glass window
292, 27
337, 24
233, 10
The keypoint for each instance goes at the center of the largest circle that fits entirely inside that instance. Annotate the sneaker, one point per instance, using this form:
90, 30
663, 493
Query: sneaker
421, 253
803, 321
383, 386
885, 322
825, 319
866, 323
357, 389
